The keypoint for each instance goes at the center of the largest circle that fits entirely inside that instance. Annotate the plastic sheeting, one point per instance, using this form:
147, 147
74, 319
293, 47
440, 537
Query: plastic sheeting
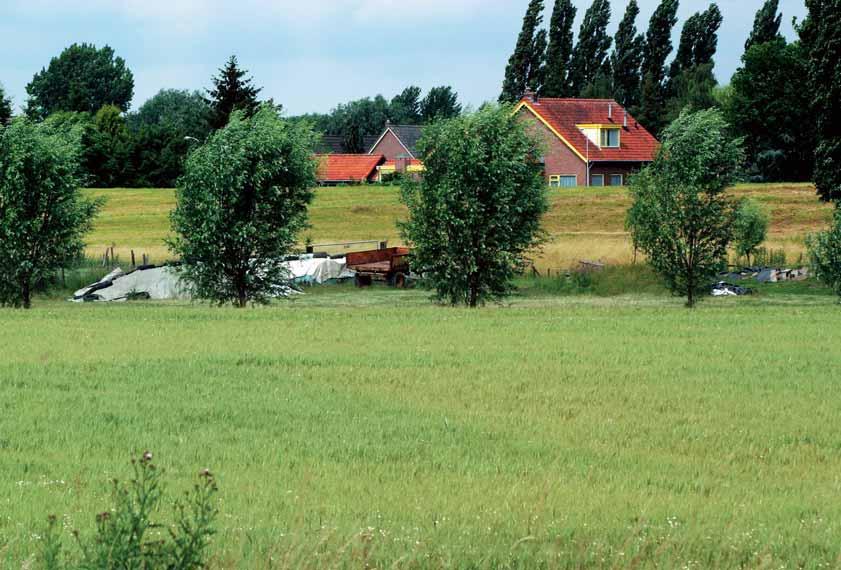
310, 270
158, 283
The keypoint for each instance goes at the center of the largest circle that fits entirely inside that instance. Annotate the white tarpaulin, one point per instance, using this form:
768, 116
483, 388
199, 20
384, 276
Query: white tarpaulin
318, 270
157, 283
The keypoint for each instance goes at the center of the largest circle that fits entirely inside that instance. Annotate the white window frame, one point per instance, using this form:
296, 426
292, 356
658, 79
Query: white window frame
603, 134
555, 180
593, 180
621, 179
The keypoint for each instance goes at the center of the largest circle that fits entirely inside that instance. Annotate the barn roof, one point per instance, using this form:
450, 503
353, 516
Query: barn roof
347, 167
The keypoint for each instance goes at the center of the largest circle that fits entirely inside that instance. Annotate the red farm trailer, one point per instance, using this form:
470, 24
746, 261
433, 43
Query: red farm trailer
390, 265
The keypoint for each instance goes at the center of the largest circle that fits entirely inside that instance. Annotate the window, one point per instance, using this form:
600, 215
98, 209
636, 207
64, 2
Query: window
610, 138
563, 181
597, 180
616, 180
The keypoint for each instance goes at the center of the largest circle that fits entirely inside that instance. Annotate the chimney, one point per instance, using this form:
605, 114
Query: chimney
625, 122
530, 95
610, 111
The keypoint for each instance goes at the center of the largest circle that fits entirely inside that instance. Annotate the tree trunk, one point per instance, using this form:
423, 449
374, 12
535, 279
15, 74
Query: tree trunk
26, 294
473, 294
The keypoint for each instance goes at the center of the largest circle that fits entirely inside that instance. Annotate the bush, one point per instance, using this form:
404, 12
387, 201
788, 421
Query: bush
750, 229
825, 254
126, 537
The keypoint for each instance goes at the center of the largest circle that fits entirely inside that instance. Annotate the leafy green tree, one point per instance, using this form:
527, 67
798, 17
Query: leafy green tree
82, 79
440, 103
590, 55
405, 108
698, 44
232, 91
658, 46
821, 37
750, 228
108, 149
187, 111
682, 217
825, 254
43, 215
626, 59
241, 203
5, 107
766, 25
358, 119
772, 112
520, 72
476, 212
559, 50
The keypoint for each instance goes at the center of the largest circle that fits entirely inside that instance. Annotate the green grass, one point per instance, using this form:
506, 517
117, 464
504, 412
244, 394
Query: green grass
349, 426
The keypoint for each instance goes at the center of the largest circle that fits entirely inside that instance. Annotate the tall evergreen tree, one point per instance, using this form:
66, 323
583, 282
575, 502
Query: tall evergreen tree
626, 59
559, 52
232, 92
5, 107
404, 108
766, 25
821, 37
519, 72
590, 55
658, 46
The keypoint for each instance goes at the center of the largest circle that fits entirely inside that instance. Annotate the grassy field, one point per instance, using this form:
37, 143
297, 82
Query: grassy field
374, 430
582, 223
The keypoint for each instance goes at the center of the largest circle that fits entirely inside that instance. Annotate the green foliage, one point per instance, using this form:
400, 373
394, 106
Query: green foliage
524, 64
772, 111
43, 216
359, 119
5, 107
681, 216
405, 108
821, 37
476, 212
590, 55
232, 91
626, 59
81, 79
440, 103
241, 204
698, 41
766, 25
559, 50
750, 228
657, 47
127, 537
825, 254
108, 149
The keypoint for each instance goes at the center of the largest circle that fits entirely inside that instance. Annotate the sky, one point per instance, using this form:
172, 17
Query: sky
311, 55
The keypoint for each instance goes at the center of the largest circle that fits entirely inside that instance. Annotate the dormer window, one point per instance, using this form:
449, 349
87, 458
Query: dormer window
609, 138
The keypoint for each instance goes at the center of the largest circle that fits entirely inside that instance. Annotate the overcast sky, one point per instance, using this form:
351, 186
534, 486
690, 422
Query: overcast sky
311, 54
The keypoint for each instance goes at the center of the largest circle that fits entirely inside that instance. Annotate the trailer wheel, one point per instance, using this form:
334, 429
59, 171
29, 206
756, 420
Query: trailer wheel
362, 280
400, 281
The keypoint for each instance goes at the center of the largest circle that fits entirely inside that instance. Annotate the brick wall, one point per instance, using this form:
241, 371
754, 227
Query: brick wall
558, 157
390, 147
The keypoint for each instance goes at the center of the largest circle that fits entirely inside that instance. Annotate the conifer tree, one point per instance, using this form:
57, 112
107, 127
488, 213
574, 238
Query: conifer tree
590, 55
232, 92
559, 52
766, 25
519, 73
626, 58
658, 46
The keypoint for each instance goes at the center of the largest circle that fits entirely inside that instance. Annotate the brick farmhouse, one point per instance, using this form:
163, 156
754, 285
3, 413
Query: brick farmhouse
587, 142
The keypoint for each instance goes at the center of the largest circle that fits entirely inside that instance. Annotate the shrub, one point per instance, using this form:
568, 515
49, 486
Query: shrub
825, 254
750, 228
127, 537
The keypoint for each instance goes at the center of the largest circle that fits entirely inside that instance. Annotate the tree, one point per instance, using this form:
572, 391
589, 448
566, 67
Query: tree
240, 205
359, 119
681, 216
5, 107
164, 129
477, 210
626, 59
81, 79
520, 73
107, 150
232, 91
440, 103
590, 55
771, 110
825, 254
43, 215
750, 229
821, 37
559, 50
658, 46
766, 25
698, 44
405, 108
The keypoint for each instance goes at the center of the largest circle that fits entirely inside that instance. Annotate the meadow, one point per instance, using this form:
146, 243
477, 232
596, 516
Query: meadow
582, 223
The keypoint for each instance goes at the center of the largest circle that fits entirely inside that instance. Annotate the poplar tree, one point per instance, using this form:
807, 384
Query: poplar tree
232, 92
5, 107
520, 71
626, 59
698, 41
658, 46
821, 37
590, 55
766, 24
559, 52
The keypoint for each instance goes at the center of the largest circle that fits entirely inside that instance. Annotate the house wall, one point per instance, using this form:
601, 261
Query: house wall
390, 147
558, 157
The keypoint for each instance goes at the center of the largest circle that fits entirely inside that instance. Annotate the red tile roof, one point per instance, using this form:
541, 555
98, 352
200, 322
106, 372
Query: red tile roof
562, 115
347, 167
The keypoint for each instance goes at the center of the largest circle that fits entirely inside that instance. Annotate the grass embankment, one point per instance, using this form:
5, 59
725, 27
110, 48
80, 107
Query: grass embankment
348, 426
582, 223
